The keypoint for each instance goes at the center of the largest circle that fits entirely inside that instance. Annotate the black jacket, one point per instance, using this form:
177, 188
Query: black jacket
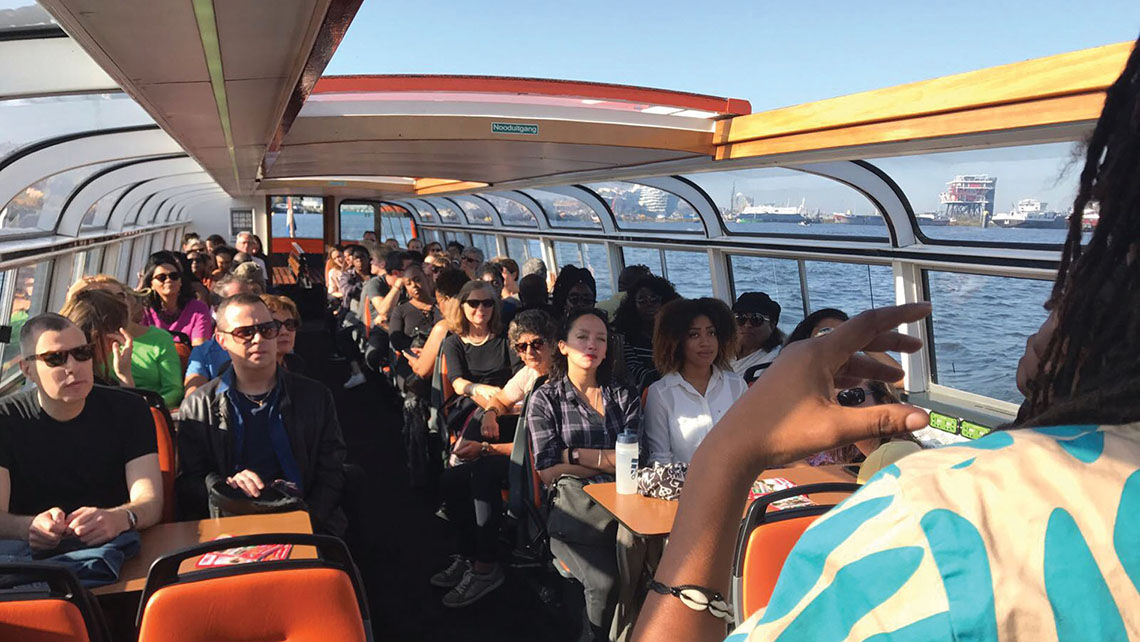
205, 447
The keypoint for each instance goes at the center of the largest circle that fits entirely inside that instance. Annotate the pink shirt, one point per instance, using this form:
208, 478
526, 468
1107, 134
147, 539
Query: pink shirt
195, 321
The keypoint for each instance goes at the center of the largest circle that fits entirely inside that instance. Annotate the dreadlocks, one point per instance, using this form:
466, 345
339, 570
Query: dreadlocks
1090, 370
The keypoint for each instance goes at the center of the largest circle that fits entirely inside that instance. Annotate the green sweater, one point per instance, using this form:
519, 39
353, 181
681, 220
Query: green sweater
155, 365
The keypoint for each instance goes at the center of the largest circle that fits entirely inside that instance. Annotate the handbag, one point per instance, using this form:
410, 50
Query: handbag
227, 502
575, 518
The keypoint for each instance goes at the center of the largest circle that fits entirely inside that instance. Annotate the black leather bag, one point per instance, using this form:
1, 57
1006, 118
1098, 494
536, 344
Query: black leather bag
227, 502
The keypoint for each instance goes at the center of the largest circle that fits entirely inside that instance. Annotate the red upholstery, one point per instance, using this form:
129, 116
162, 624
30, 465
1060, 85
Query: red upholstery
293, 605
43, 620
167, 462
768, 547
183, 351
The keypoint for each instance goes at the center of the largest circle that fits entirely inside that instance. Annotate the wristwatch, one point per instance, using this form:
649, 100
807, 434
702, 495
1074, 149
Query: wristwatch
573, 455
132, 519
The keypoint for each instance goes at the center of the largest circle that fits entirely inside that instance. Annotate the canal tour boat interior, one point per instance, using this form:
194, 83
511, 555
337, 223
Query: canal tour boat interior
126, 125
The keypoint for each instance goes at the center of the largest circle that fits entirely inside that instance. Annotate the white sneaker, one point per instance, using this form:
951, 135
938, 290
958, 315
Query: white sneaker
450, 576
473, 587
355, 380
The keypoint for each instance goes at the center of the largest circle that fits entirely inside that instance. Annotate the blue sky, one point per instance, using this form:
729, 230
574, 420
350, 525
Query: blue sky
771, 53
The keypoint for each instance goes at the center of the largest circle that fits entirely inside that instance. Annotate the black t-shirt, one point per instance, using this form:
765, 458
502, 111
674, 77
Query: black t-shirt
490, 363
408, 322
74, 463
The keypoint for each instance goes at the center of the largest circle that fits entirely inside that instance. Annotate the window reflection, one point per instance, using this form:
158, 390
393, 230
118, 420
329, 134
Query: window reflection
26, 121
39, 205
785, 201
477, 212
1005, 195
641, 206
980, 324
564, 211
511, 211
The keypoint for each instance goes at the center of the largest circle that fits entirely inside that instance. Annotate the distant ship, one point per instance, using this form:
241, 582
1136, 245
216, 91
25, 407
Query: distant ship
932, 219
857, 219
771, 214
1032, 214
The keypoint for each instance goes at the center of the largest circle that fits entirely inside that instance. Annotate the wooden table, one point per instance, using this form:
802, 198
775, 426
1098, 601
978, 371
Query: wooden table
649, 516
160, 539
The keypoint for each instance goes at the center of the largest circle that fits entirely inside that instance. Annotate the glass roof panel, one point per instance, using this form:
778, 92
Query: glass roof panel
774, 200
25, 121
447, 210
426, 212
511, 211
1008, 195
38, 207
648, 208
564, 211
97, 215
478, 213
18, 15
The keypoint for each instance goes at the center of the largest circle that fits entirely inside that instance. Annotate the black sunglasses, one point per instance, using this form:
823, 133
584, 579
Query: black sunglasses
57, 358
536, 345
579, 301
290, 324
648, 299
474, 303
172, 276
755, 318
851, 397
469, 259
246, 333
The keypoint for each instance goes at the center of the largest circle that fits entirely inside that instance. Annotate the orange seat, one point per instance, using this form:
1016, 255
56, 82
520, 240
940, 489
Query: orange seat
295, 600
63, 612
167, 461
765, 540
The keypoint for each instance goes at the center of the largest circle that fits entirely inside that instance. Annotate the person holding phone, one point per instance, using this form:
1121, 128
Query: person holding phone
411, 322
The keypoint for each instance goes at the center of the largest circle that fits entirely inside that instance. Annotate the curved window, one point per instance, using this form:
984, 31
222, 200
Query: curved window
25, 121
511, 212
478, 212
564, 211
448, 211
426, 212
1008, 195
27, 288
97, 215
978, 337
20, 15
774, 200
778, 278
39, 205
395, 223
643, 207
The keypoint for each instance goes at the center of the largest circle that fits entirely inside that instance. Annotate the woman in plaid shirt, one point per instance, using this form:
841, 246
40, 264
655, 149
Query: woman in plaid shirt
574, 420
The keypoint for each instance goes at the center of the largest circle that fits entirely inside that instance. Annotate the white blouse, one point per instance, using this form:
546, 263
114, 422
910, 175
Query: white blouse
677, 417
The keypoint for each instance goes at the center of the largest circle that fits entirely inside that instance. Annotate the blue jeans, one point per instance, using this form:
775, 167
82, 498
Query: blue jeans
93, 565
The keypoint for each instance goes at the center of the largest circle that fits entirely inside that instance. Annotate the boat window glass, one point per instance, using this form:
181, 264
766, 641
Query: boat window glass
649, 257
689, 273
511, 211
448, 213
647, 208
22, 15
40, 204
395, 222
356, 219
25, 286
27, 121
778, 278
978, 338
564, 211
425, 211
123, 266
776, 200
517, 249
485, 242
591, 256
1024, 193
478, 212
307, 214
94, 260
850, 287
97, 215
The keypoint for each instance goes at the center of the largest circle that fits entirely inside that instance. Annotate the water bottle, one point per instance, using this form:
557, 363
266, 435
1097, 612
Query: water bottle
626, 469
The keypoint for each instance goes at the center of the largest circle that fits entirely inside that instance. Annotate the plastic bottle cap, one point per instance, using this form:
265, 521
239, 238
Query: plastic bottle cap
626, 437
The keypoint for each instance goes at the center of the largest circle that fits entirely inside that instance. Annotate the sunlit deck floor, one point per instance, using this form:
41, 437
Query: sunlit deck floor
398, 541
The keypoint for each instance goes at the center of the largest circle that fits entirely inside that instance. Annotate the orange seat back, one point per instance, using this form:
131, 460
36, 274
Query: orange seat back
448, 389
295, 604
167, 461
367, 310
768, 547
42, 620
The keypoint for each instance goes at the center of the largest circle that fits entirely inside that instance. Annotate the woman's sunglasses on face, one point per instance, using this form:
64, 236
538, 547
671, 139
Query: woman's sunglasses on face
246, 333
292, 325
475, 303
648, 299
536, 345
580, 301
171, 276
57, 358
755, 318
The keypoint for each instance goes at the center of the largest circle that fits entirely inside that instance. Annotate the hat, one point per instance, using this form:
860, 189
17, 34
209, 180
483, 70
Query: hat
758, 302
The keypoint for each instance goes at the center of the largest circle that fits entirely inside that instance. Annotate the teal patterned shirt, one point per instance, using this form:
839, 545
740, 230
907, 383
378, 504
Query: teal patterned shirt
1029, 534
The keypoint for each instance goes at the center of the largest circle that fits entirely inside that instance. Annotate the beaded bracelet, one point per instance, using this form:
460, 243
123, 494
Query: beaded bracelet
697, 598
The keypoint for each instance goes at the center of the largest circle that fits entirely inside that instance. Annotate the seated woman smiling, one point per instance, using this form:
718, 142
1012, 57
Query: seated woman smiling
693, 345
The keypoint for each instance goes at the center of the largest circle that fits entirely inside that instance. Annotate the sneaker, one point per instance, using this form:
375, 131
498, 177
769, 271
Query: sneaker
450, 576
355, 380
473, 587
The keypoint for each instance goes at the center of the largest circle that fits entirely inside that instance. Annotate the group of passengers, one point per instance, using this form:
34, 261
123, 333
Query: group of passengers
79, 469
505, 334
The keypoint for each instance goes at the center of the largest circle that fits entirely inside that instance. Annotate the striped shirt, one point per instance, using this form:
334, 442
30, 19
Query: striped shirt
1028, 534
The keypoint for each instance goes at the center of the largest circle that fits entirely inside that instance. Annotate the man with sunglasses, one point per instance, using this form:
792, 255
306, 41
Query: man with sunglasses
259, 429
209, 359
78, 462
757, 318
470, 260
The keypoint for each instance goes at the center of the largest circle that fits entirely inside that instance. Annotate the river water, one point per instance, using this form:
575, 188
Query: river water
980, 323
